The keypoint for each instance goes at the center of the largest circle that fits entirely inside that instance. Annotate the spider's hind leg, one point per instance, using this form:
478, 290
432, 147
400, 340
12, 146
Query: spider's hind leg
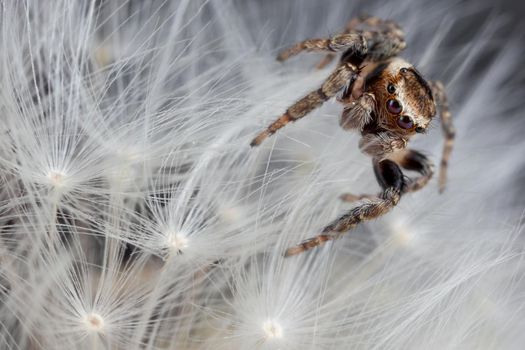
449, 132
391, 180
339, 42
371, 22
371, 26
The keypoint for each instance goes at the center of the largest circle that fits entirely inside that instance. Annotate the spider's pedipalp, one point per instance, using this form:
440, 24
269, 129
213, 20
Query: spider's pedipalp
391, 179
358, 113
449, 131
381, 144
343, 74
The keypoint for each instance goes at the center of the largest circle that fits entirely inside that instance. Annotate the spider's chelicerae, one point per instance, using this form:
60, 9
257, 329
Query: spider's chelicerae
387, 100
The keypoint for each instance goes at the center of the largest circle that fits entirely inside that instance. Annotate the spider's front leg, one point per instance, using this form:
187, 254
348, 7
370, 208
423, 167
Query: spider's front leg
344, 75
390, 179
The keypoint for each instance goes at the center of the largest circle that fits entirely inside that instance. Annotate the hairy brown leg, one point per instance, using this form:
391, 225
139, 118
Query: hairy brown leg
449, 131
391, 180
343, 75
339, 42
370, 24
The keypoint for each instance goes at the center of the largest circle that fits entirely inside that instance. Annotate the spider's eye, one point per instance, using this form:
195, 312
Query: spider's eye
391, 88
394, 106
420, 130
405, 122
403, 70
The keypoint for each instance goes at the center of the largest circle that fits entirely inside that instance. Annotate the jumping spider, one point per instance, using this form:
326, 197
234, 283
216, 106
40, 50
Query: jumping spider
387, 100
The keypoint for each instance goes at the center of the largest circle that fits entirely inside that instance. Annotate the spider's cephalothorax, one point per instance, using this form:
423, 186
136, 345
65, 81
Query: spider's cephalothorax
387, 100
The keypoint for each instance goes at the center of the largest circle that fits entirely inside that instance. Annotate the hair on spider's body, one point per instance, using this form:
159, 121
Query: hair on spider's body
385, 99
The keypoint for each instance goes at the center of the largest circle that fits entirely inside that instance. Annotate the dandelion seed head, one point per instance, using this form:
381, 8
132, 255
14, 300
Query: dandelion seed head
177, 242
94, 322
272, 329
57, 179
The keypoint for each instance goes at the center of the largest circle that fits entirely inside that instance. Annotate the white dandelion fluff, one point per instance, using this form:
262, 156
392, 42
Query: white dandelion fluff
134, 214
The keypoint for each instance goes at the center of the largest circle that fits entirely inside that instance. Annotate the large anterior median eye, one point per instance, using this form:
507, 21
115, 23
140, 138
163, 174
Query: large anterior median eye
394, 106
405, 122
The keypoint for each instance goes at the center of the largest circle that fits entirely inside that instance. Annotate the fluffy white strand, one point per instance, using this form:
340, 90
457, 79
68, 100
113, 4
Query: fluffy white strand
136, 216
